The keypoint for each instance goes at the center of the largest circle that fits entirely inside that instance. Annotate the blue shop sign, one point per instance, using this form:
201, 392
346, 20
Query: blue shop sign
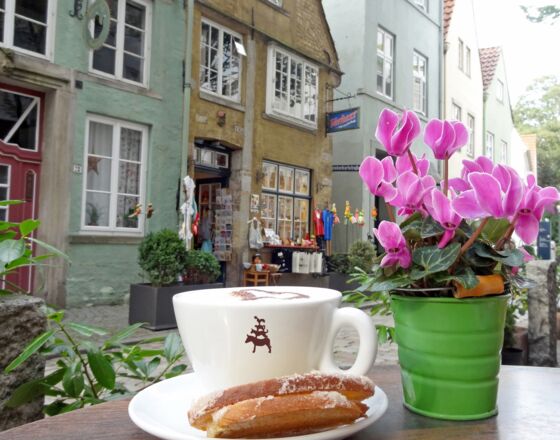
543, 241
348, 119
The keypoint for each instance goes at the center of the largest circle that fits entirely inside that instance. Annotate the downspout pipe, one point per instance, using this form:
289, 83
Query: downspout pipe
187, 86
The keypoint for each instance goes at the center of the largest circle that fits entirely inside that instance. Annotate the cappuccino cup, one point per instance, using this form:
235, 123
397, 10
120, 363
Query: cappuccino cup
239, 335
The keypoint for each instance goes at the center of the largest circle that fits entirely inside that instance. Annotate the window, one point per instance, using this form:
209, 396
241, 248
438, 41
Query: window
220, 62
503, 152
500, 91
124, 54
4, 190
211, 158
25, 25
422, 4
385, 51
461, 54
19, 120
115, 163
285, 200
470, 128
457, 112
489, 152
468, 61
294, 94
419, 70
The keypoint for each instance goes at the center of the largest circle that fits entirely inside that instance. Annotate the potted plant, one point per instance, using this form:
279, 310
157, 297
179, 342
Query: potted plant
163, 258
201, 268
448, 258
360, 255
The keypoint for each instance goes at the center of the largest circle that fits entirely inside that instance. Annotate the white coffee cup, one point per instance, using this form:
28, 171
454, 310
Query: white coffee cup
244, 334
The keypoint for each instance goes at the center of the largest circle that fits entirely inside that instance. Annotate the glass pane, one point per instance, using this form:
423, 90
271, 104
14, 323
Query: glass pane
205, 34
2, 4
3, 214
380, 41
270, 176
268, 211
285, 217
129, 178
104, 60
30, 36
131, 144
380, 74
114, 7
3, 193
132, 68
112, 37
12, 107
97, 209
1, 26
100, 139
388, 79
286, 179
34, 9
222, 160
301, 216
133, 41
98, 173
125, 209
302, 182
388, 45
135, 15
4, 172
26, 135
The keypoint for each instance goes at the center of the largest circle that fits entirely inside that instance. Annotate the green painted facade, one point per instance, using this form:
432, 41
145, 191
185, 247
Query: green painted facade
103, 267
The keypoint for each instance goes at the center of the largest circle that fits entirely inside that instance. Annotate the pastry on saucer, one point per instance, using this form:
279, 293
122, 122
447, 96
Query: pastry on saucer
285, 406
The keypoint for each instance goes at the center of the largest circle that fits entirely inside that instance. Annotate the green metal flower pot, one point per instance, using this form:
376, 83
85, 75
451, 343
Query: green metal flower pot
449, 351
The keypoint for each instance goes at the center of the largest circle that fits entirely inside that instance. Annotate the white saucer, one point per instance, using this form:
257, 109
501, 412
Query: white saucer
161, 410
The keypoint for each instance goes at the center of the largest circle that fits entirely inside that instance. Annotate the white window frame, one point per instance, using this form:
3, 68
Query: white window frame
422, 4
7, 185
468, 61
119, 46
457, 110
423, 82
461, 55
503, 152
36, 103
112, 229
500, 89
387, 58
471, 129
489, 142
221, 30
9, 24
273, 49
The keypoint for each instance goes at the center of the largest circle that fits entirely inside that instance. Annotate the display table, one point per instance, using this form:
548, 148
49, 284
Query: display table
528, 400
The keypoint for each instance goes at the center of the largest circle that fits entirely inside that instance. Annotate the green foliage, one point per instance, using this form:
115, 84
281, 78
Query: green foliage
16, 248
339, 263
91, 367
201, 267
517, 307
539, 14
162, 255
361, 255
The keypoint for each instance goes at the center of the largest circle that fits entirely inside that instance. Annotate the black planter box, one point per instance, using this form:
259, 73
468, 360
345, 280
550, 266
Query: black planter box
154, 305
339, 281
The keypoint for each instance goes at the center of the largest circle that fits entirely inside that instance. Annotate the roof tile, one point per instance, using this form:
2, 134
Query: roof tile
489, 57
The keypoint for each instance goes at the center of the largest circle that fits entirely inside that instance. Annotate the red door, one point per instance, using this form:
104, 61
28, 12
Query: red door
21, 122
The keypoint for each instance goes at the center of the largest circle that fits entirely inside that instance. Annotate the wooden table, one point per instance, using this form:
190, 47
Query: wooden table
529, 405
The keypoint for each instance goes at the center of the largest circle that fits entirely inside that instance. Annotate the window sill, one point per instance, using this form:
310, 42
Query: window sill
276, 7
221, 101
117, 84
104, 238
289, 122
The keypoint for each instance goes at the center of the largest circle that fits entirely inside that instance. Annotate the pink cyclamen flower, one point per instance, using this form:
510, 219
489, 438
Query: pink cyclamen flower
397, 136
526, 258
445, 137
531, 209
481, 165
497, 195
410, 193
441, 210
394, 243
403, 164
379, 175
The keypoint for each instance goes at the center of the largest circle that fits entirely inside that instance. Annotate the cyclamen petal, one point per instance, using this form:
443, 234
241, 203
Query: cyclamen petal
466, 205
371, 172
395, 139
386, 125
488, 193
527, 227
446, 238
389, 171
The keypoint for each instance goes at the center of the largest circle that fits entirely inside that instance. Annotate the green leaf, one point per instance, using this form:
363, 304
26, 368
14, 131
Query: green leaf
71, 407
56, 316
495, 229
465, 276
390, 284
54, 408
26, 227
73, 380
509, 257
31, 349
123, 334
434, 260
86, 330
175, 371
49, 248
172, 347
11, 202
33, 389
101, 369
11, 250
430, 228
410, 219
7, 225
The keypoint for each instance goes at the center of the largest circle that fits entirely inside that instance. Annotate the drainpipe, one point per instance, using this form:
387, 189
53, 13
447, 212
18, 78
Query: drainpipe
187, 86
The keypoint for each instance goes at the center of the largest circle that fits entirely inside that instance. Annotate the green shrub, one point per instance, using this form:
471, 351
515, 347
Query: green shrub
162, 255
340, 263
201, 267
361, 255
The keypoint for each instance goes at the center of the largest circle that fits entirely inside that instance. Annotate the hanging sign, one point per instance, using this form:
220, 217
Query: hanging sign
341, 120
543, 241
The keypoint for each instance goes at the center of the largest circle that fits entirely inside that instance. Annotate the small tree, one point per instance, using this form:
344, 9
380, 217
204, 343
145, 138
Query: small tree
361, 255
201, 267
162, 255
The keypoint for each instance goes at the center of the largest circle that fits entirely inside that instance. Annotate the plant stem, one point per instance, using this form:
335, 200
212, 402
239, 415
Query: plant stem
390, 212
412, 161
82, 361
507, 235
473, 237
445, 175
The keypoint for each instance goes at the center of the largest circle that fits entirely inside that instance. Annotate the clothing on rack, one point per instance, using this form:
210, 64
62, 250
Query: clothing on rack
255, 235
318, 223
328, 222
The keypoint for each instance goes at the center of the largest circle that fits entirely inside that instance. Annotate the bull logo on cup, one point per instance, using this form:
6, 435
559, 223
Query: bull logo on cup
259, 336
